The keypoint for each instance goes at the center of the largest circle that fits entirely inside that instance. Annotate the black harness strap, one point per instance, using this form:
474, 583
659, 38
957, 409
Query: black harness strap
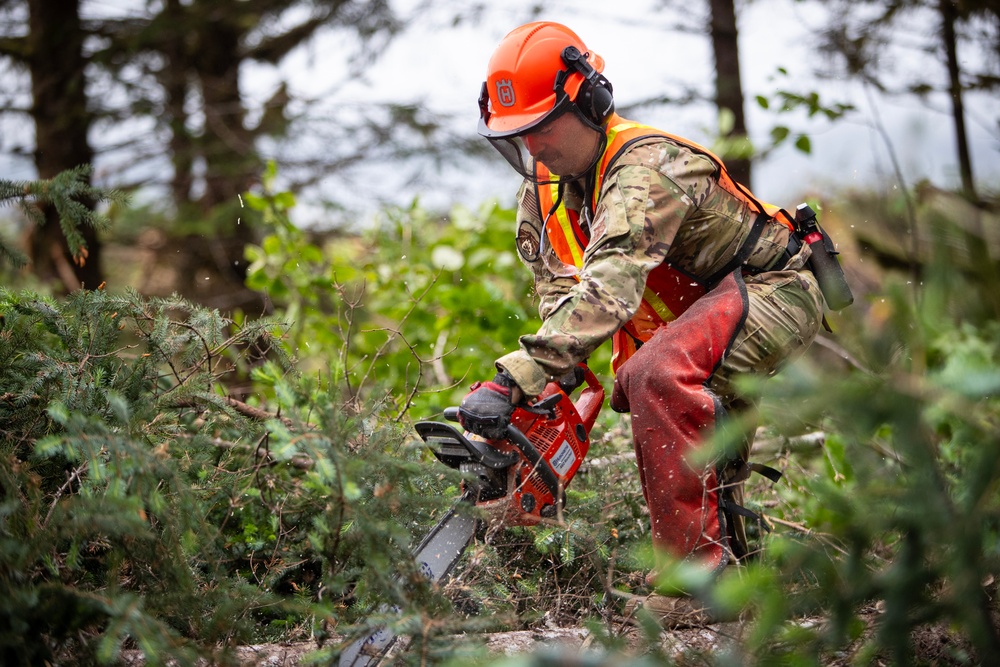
743, 253
733, 508
772, 474
732, 477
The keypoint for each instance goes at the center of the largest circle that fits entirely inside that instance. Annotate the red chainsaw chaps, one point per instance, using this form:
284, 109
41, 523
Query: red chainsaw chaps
664, 386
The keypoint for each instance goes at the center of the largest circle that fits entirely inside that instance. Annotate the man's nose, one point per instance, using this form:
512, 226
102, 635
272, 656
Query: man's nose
533, 143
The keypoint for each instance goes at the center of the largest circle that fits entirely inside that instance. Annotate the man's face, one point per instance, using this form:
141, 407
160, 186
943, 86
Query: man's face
566, 145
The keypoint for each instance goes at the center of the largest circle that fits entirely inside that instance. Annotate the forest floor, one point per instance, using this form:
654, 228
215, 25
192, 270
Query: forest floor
576, 646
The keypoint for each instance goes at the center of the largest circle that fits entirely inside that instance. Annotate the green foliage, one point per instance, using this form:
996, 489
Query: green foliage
100, 405
142, 506
67, 192
417, 303
787, 101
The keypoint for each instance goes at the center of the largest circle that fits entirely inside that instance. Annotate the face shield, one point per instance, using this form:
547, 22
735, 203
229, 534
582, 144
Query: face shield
510, 143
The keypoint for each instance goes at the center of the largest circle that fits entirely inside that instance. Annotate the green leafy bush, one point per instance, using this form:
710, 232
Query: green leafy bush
418, 303
107, 408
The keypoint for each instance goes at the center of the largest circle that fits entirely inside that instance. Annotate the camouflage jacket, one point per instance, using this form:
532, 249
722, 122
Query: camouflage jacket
659, 202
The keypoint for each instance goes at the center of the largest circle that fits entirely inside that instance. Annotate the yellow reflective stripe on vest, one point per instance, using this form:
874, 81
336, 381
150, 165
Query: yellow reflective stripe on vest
566, 225
602, 164
656, 303
621, 127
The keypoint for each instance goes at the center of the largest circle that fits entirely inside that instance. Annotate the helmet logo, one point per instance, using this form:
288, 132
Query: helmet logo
505, 92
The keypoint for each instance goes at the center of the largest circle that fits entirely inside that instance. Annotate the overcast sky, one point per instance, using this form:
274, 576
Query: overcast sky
444, 65
441, 66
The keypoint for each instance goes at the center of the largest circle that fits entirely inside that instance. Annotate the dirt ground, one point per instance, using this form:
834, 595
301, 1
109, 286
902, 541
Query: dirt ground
935, 645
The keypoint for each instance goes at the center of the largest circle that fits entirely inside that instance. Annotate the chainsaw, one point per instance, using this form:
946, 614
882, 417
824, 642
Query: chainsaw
517, 480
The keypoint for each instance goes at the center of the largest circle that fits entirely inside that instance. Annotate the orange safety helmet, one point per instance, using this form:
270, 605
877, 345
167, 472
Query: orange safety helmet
538, 72
519, 87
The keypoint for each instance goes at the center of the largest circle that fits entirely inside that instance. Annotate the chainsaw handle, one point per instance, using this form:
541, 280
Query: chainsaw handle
545, 407
588, 405
591, 399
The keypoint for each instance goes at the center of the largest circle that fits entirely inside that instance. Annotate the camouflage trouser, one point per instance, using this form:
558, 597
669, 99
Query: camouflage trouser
680, 383
785, 312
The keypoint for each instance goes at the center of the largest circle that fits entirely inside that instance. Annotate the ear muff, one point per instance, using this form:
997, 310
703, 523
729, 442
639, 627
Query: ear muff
599, 102
596, 96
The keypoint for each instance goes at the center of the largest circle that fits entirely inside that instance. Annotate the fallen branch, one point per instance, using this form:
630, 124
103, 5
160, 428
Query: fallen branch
798, 443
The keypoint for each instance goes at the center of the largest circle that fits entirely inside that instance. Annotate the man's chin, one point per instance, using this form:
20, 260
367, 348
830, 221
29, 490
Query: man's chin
556, 170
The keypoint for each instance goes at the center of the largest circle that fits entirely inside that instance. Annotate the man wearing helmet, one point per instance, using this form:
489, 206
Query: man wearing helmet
641, 237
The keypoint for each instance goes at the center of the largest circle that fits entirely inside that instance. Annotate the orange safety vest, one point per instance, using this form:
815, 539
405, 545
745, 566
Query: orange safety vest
668, 291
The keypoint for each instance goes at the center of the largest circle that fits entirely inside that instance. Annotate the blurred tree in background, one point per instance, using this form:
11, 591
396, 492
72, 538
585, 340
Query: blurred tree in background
51, 49
166, 79
862, 32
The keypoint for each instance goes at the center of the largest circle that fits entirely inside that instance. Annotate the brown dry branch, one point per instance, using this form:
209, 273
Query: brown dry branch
240, 407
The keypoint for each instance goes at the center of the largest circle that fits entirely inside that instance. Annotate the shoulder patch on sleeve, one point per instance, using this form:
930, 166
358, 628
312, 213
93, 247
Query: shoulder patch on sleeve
527, 241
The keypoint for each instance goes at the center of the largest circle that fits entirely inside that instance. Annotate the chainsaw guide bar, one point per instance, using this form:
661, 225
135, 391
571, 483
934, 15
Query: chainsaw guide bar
435, 556
517, 480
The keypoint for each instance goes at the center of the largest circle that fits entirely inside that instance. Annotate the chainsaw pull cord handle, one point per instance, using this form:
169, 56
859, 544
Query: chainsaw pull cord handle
519, 440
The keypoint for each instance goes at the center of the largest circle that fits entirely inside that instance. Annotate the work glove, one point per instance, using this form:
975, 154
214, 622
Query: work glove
572, 379
486, 410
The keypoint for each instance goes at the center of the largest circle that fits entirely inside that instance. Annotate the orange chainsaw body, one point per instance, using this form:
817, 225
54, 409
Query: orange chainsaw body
522, 478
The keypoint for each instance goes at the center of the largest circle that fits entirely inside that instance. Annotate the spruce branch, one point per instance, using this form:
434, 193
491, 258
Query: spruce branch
74, 200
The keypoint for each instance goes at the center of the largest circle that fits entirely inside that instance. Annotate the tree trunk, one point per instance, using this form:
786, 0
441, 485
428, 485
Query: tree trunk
949, 15
728, 86
206, 48
174, 79
62, 123
228, 148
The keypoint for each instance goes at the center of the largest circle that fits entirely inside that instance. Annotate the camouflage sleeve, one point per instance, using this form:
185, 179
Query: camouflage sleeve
638, 215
